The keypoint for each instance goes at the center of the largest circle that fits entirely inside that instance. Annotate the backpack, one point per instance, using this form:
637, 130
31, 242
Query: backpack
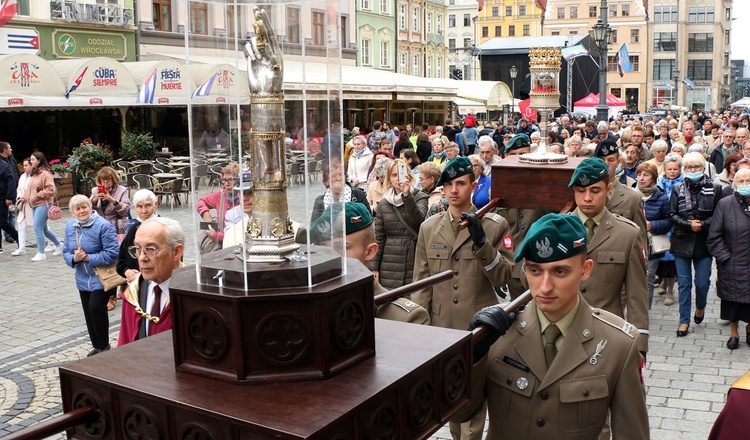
471, 121
373, 140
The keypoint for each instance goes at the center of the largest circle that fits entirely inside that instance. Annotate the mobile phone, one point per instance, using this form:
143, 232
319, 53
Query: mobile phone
102, 189
402, 172
205, 225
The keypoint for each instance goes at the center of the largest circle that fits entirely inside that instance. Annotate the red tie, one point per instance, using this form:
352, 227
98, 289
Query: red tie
155, 308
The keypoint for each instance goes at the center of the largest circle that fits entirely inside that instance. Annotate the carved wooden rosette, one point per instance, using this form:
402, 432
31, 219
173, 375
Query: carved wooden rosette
269, 237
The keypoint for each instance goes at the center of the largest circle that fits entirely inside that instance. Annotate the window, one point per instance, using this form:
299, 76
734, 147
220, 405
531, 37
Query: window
665, 41
672, 13
428, 67
526, 30
23, 7
521, 9
726, 80
592, 12
555, 33
574, 12
467, 20
657, 14
467, 72
561, 12
438, 68
415, 66
415, 20
625, 10
495, 11
613, 10
635, 61
402, 17
451, 20
700, 70
365, 51
512, 30
452, 2
402, 63
198, 18
663, 69
230, 25
162, 15
726, 59
611, 63
439, 23
318, 28
344, 34
292, 24
635, 35
428, 25
726, 36
572, 33
451, 43
467, 42
383, 6
700, 42
710, 14
701, 15
485, 31
365, 5
508, 11
498, 31
728, 14
614, 36
385, 54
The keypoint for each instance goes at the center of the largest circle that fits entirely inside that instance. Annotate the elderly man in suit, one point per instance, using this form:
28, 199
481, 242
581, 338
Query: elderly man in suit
159, 245
479, 256
564, 365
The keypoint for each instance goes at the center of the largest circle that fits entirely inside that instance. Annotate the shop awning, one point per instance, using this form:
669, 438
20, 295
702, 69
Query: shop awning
29, 81
96, 82
466, 106
161, 83
218, 83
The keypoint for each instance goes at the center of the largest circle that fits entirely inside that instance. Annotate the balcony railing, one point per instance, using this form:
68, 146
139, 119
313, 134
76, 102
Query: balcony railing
106, 14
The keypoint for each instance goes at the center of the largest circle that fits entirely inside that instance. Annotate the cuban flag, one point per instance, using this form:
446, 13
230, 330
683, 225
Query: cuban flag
569, 53
76, 83
8, 9
623, 61
146, 95
690, 85
205, 88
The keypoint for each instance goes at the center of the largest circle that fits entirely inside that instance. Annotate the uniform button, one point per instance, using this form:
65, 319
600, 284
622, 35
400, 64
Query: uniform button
456, 258
455, 300
540, 422
544, 395
455, 287
583, 290
484, 258
509, 381
455, 272
586, 393
611, 259
523, 228
520, 215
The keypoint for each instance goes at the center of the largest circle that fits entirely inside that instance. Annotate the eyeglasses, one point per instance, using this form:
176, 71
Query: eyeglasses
223, 181
693, 168
150, 251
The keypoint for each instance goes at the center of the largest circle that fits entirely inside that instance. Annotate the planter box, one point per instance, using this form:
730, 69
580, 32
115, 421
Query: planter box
64, 188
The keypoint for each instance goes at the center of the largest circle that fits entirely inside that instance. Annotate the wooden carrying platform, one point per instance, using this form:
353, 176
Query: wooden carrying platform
409, 390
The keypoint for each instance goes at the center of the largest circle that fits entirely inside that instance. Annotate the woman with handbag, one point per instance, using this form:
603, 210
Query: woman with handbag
40, 195
400, 215
90, 245
656, 205
112, 204
23, 209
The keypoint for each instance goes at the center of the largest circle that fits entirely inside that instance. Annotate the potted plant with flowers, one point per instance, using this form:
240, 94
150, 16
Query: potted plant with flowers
85, 161
59, 168
138, 146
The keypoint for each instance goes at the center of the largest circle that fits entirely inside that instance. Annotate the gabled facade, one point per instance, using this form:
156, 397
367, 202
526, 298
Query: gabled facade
376, 34
410, 28
435, 50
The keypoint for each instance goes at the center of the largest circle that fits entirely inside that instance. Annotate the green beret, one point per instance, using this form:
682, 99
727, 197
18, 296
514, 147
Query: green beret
605, 148
457, 167
331, 223
520, 140
553, 237
589, 171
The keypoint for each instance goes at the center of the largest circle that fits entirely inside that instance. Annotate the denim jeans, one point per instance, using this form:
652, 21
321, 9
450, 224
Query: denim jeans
41, 229
702, 268
651, 277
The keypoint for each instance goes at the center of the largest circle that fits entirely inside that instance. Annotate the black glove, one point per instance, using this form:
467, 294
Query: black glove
643, 353
475, 229
497, 323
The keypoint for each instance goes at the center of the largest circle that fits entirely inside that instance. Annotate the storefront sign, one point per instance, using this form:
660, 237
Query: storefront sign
69, 44
107, 14
105, 77
24, 74
170, 79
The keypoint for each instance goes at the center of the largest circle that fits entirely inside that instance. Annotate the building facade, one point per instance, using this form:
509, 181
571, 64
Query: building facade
376, 34
629, 22
436, 53
690, 40
460, 38
509, 18
410, 36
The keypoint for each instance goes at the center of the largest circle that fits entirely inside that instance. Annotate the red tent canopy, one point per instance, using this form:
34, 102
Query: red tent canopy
593, 100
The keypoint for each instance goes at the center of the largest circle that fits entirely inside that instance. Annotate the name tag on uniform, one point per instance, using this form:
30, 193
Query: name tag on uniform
516, 364
439, 246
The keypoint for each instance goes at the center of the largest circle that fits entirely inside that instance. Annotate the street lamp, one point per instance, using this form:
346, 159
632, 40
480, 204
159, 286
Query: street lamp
602, 38
676, 73
513, 74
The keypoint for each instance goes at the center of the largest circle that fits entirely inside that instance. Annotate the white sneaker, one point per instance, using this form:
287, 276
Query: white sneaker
58, 250
50, 247
19, 251
39, 257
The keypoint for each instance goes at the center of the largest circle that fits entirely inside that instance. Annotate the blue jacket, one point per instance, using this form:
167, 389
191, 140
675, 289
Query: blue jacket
656, 209
99, 240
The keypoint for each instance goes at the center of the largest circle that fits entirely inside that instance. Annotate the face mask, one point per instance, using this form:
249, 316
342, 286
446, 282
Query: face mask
743, 190
695, 177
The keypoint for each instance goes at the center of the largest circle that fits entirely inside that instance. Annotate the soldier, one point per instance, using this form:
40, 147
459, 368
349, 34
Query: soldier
480, 257
517, 145
565, 364
361, 246
614, 246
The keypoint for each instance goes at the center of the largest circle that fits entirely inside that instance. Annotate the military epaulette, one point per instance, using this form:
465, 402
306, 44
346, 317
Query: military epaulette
407, 305
493, 216
625, 220
434, 216
615, 321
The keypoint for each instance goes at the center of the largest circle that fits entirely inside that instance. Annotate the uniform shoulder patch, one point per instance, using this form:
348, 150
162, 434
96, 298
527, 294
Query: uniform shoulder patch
625, 220
495, 217
405, 304
435, 216
615, 321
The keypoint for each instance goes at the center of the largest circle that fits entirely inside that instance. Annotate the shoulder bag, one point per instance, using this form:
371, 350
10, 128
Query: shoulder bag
53, 211
107, 274
659, 243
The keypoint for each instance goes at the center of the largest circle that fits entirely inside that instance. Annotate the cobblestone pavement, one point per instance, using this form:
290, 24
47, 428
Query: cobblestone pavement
42, 327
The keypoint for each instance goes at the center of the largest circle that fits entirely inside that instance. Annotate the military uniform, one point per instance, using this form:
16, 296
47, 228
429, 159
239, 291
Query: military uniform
451, 304
628, 203
597, 370
400, 309
519, 221
619, 262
